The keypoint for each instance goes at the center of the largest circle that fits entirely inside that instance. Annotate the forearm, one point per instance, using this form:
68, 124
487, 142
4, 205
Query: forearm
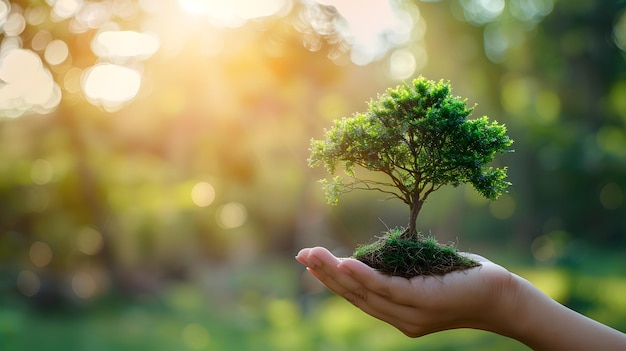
543, 324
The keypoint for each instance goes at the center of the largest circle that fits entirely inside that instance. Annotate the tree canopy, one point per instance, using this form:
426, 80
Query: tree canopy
420, 137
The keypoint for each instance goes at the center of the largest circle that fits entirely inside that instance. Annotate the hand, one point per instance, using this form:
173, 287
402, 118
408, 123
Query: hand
417, 306
487, 297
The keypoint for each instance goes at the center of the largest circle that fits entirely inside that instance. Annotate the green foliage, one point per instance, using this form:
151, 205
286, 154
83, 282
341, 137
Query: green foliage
418, 135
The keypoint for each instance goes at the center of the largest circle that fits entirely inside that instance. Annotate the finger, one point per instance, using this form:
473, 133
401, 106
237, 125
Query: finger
396, 289
314, 266
344, 285
401, 302
329, 269
324, 266
302, 256
315, 259
321, 257
400, 316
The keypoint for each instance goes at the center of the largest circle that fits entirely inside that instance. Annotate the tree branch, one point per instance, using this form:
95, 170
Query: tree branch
365, 184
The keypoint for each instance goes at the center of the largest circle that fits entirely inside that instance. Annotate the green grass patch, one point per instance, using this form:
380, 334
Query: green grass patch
395, 254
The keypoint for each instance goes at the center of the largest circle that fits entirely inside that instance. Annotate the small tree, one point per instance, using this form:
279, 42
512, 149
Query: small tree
419, 137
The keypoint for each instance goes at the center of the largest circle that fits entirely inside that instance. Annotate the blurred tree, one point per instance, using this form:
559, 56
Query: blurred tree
557, 88
103, 158
579, 66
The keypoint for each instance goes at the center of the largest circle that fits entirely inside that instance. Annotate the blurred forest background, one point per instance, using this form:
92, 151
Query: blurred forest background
153, 173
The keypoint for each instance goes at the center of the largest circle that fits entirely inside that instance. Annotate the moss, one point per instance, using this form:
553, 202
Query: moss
395, 254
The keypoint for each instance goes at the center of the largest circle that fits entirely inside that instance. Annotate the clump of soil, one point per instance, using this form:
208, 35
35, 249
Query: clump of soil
396, 254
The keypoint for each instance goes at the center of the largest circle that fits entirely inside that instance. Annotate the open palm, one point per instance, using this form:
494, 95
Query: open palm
416, 306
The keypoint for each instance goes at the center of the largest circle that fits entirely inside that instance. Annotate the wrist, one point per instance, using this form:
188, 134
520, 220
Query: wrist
518, 309
525, 314
506, 306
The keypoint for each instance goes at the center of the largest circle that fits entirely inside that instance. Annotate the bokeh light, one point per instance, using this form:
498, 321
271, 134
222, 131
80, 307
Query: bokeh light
543, 249
203, 194
516, 96
28, 283
612, 140
92, 15
479, 12
110, 85
548, 106
15, 24
368, 40
196, 337
56, 52
122, 45
27, 84
550, 246
501, 34
83, 284
41, 171
40, 41
619, 31
36, 15
63, 9
611, 196
5, 8
89, 241
231, 215
71, 80
402, 64
40, 254
232, 13
616, 98
530, 11
496, 42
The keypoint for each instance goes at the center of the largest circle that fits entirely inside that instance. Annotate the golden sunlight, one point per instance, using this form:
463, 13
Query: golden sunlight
4, 12
232, 13
110, 85
370, 40
63, 9
27, 84
124, 44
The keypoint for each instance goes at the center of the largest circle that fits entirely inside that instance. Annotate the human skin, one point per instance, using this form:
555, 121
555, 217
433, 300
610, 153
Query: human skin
487, 297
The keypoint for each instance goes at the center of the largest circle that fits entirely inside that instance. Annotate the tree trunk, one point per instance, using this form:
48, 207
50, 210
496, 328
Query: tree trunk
415, 207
